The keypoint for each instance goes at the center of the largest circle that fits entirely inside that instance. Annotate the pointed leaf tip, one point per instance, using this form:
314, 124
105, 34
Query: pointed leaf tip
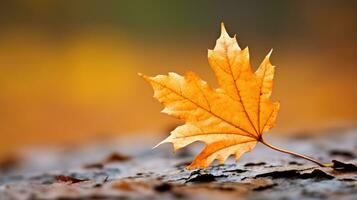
222, 26
143, 76
269, 54
146, 78
160, 143
223, 30
154, 147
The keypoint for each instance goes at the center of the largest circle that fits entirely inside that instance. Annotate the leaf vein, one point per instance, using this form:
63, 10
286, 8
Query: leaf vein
212, 113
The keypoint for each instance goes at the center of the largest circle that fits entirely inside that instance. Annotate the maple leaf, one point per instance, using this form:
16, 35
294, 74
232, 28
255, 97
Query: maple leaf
230, 119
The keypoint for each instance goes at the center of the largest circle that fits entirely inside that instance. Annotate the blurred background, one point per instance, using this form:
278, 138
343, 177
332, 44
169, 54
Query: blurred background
68, 69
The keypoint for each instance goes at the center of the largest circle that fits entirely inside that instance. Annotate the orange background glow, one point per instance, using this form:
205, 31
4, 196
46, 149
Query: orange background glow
68, 71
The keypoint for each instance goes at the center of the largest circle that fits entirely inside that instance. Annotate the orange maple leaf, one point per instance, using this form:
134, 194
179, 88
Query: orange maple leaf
231, 119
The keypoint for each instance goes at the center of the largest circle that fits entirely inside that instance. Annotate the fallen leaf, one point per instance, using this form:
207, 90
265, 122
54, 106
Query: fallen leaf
230, 119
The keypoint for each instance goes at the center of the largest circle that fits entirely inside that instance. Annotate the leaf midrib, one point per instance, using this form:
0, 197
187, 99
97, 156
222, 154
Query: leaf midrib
212, 113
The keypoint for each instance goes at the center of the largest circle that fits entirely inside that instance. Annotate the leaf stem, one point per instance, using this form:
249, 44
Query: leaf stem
295, 154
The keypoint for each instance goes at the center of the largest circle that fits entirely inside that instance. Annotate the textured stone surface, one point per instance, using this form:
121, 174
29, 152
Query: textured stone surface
130, 169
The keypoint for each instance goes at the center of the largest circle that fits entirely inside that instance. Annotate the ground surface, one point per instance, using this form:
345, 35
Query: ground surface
130, 169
